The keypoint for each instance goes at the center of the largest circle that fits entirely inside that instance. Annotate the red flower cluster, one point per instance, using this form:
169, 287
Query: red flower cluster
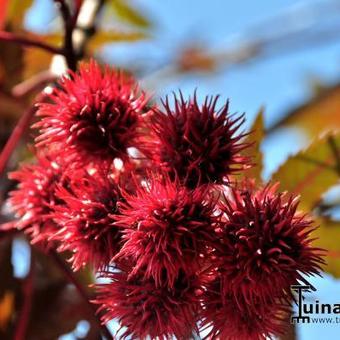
86, 219
167, 229
93, 115
199, 144
179, 254
35, 198
265, 247
147, 309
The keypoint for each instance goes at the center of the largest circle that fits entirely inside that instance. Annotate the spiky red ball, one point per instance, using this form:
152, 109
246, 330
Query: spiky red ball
86, 219
266, 244
227, 318
94, 114
198, 143
149, 310
35, 196
167, 228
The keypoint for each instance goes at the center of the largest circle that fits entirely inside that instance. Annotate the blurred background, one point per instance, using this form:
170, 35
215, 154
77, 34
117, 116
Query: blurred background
279, 56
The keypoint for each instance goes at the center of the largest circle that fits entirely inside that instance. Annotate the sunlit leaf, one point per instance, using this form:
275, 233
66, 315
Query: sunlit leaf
319, 114
127, 13
9, 288
103, 38
254, 152
328, 235
37, 60
6, 309
311, 172
55, 38
17, 10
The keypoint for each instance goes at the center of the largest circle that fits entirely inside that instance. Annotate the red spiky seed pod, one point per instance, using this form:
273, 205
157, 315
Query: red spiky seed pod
227, 318
266, 242
93, 115
167, 228
200, 144
33, 200
148, 310
86, 219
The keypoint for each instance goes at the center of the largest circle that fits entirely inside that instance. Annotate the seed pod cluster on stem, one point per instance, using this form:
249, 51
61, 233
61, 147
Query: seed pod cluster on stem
146, 196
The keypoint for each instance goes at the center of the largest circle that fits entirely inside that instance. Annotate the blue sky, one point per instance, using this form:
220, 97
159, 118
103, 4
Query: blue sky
278, 83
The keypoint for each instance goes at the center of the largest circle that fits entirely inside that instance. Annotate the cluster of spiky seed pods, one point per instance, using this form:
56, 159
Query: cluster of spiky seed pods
147, 197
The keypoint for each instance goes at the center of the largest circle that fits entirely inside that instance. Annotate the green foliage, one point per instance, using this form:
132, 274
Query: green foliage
255, 139
127, 13
328, 238
311, 172
113, 36
319, 114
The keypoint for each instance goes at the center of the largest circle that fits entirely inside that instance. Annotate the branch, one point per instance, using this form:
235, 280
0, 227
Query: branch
20, 332
69, 23
16, 135
24, 41
33, 84
81, 290
83, 30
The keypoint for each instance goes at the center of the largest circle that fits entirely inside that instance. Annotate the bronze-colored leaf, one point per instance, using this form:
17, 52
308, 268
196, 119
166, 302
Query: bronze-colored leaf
6, 309
195, 59
17, 10
3, 12
37, 60
11, 64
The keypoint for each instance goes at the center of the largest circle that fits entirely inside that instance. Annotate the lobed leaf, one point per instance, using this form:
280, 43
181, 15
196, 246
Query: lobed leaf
311, 172
255, 138
328, 238
320, 114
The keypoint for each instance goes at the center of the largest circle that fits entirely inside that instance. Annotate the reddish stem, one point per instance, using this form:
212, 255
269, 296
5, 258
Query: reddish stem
81, 290
17, 133
33, 84
20, 332
24, 41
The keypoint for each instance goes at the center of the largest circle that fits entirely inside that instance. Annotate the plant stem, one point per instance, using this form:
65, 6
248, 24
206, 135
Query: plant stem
69, 24
20, 332
82, 291
16, 135
24, 41
34, 84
